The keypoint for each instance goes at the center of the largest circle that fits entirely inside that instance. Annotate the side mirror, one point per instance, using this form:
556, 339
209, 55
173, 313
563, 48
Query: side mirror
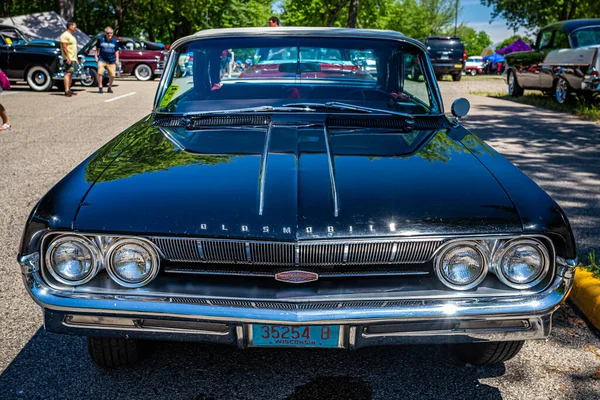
460, 107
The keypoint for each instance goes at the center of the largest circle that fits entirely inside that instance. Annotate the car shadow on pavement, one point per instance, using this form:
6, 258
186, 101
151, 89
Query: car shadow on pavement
560, 153
58, 366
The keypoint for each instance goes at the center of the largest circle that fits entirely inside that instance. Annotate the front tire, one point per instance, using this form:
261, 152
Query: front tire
113, 352
143, 72
473, 72
514, 89
487, 353
456, 77
38, 78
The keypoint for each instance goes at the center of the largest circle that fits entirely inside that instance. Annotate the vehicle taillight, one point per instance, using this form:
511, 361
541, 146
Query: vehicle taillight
464, 55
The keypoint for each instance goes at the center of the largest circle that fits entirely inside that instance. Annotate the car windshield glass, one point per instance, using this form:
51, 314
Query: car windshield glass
244, 73
586, 37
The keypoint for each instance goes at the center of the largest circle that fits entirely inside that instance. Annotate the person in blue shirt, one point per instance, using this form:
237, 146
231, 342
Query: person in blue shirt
107, 57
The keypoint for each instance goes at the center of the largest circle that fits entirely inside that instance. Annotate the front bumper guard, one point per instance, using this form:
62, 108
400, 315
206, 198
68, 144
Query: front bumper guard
364, 323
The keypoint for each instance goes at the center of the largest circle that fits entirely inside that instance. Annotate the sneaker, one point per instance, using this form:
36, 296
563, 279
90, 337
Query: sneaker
72, 93
68, 94
100, 90
109, 90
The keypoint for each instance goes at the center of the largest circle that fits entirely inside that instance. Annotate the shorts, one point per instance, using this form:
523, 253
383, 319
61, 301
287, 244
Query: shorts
72, 68
112, 69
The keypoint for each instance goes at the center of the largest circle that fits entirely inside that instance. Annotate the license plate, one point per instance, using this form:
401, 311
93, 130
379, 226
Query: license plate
296, 336
457, 65
444, 57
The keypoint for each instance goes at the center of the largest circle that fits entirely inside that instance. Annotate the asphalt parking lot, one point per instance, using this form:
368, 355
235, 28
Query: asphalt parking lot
51, 134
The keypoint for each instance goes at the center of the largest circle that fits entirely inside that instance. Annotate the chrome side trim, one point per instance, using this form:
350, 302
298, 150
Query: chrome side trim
263, 171
330, 162
239, 333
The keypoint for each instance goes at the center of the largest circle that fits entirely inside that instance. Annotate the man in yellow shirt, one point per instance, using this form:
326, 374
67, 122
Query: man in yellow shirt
68, 43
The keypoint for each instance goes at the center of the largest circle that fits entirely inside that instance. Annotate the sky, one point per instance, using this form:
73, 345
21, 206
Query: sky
478, 16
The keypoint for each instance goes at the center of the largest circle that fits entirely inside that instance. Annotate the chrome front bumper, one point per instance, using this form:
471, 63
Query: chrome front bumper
364, 323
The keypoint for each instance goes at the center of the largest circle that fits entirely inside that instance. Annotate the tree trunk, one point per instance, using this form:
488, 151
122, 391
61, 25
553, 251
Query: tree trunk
573, 9
353, 14
66, 9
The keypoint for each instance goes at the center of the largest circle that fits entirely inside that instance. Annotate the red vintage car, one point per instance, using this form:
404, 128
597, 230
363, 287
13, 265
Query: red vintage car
144, 64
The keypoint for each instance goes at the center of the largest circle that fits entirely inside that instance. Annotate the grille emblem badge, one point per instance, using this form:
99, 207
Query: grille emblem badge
296, 276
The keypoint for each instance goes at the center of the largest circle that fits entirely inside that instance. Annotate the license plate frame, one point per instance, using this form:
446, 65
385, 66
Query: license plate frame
256, 333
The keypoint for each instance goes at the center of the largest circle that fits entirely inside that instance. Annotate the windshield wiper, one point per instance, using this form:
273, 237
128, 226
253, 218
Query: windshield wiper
249, 110
335, 105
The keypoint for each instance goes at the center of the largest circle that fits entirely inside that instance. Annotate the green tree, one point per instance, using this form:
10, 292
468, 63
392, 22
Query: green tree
474, 41
421, 18
535, 14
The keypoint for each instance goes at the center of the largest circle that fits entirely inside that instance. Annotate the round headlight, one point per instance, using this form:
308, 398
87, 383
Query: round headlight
132, 262
72, 260
522, 264
461, 265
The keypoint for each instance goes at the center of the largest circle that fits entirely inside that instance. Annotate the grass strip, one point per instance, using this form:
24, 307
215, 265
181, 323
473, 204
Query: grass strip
587, 111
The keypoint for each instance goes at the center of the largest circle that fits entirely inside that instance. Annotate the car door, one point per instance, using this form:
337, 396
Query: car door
530, 62
6, 49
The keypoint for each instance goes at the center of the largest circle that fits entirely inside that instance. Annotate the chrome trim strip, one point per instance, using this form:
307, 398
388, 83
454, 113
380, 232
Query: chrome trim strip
330, 162
248, 255
263, 171
322, 274
200, 251
352, 337
239, 332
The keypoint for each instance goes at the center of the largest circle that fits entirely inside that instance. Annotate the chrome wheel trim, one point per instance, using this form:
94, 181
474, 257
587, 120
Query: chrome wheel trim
511, 84
89, 74
473, 72
143, 72
38, 78
561, 91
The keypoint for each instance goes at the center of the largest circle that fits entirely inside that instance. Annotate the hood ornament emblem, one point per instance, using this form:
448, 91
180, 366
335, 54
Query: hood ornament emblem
296, 276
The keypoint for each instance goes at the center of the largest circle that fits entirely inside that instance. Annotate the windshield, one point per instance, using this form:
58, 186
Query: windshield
226, 74
586, 37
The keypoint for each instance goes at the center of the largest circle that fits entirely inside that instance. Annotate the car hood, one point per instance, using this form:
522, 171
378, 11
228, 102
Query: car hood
293, 183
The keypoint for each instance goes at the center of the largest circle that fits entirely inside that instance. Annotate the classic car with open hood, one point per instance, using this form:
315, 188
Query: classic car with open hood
564, 61
37, 62
313, 207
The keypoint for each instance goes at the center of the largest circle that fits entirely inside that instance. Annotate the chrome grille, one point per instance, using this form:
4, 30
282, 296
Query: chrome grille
310, 254
289, 306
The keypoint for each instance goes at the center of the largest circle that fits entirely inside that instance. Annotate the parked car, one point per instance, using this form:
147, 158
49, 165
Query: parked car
37, 62
474, 65
447, 54
565, 60
144, 64
324, 211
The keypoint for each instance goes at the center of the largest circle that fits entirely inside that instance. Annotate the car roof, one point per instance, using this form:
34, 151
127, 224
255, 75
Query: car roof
300, 31
571, 25
443, 37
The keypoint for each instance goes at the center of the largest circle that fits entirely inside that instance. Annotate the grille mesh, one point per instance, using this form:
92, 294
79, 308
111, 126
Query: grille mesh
296, 254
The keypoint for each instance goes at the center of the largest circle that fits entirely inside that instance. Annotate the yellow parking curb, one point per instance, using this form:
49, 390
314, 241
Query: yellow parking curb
586, 295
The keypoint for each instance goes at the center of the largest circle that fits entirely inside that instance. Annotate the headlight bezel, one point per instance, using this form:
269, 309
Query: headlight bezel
445, 249
147, 245
508, 245
88, 244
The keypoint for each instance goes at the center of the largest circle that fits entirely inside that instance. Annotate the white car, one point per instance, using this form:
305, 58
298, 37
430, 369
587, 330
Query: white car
474, 65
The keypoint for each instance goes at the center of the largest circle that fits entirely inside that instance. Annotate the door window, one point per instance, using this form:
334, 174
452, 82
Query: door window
545, 40
561, 41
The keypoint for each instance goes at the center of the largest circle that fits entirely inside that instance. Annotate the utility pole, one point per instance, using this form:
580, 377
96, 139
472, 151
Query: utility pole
456, 17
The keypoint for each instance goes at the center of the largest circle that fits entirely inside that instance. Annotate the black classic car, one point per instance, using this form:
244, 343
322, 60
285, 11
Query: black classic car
38, 62
565, 60
307, 208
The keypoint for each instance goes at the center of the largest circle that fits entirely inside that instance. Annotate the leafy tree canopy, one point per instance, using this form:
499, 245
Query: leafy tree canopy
474, 41
532, 15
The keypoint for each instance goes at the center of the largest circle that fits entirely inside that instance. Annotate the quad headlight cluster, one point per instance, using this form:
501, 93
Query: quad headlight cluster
75, 260
518, 263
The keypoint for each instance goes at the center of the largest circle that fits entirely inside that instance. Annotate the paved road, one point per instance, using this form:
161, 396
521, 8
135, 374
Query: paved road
52, 134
